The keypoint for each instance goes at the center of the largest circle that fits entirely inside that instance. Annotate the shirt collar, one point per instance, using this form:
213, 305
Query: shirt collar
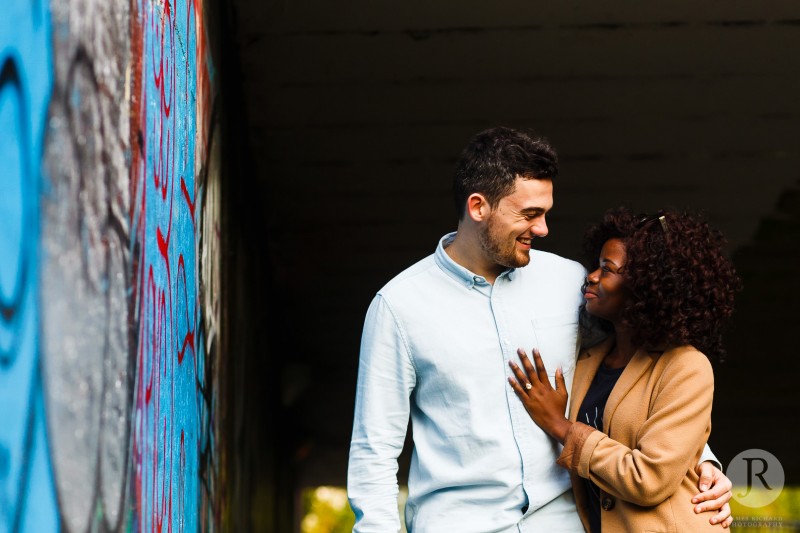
458, 272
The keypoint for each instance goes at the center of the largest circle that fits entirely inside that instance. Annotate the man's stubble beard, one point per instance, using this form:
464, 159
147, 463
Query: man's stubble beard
497, 249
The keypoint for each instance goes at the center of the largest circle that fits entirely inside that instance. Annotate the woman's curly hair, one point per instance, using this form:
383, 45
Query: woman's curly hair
681, 286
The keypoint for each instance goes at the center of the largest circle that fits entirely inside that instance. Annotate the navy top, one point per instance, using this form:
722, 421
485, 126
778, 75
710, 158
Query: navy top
591, 413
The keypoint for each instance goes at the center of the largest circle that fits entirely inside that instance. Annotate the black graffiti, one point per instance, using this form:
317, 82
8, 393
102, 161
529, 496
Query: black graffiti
11, 304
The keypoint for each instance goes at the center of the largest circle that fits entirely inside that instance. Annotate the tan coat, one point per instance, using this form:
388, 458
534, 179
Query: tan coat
656, 422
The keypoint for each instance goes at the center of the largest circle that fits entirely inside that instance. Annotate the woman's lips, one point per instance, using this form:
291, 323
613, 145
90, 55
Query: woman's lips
589, 295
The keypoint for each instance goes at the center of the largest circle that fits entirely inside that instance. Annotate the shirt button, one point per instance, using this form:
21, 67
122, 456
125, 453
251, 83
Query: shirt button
607, 503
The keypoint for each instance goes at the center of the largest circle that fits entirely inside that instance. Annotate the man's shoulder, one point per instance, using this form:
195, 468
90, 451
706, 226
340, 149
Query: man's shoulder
414, 276
555, 264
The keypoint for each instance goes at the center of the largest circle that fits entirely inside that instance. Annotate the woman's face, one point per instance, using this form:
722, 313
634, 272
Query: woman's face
605, 294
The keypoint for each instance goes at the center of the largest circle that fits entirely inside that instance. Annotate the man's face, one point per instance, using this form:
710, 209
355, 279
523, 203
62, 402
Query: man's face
508, 232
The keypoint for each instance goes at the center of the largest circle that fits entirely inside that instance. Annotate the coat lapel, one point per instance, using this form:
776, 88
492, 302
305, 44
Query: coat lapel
638, 365
585, 370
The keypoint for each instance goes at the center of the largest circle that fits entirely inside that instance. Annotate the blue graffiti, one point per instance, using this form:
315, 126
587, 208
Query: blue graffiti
168, 435
27, 495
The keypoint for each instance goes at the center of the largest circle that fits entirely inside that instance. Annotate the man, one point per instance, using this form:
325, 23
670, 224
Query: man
436, 345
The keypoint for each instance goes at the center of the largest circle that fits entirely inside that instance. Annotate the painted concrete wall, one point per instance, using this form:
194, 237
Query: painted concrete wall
109, 268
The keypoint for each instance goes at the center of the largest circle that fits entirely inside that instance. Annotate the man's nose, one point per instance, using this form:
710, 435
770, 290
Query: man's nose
539, 228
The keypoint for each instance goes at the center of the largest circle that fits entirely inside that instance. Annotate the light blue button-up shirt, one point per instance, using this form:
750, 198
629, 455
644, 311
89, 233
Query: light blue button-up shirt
436, 345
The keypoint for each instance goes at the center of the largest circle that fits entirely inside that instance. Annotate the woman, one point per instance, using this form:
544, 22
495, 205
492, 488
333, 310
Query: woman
641, 399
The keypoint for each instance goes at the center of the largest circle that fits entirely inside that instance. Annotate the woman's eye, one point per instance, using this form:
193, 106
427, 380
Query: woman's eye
605, 269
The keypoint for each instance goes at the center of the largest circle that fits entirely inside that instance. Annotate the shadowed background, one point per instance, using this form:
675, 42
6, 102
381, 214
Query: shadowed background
356, 111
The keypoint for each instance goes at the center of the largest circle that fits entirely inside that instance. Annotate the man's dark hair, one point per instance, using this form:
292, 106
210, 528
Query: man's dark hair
494, 158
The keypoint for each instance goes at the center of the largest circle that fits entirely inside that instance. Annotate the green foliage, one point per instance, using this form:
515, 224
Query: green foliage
782, 515
326, 510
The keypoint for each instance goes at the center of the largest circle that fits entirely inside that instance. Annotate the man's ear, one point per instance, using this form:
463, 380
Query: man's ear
478, 207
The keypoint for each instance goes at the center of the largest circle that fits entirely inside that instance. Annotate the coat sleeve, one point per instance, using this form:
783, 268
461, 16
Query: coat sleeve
678, 425
386, 379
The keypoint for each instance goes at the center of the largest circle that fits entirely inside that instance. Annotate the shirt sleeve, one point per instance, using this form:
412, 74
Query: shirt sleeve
651, 472
709, 456
386, 378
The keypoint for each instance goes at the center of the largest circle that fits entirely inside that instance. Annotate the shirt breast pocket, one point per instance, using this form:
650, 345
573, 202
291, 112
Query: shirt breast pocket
556, 337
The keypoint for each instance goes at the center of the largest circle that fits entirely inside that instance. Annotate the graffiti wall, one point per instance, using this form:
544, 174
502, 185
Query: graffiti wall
110, 307
27, 494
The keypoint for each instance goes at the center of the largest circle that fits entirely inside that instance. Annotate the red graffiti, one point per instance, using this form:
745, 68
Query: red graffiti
189, 201
171, 114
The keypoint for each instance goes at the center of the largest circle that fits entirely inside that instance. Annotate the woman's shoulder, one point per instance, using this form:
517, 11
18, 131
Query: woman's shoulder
685, 358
